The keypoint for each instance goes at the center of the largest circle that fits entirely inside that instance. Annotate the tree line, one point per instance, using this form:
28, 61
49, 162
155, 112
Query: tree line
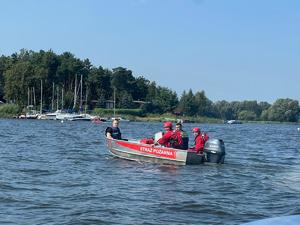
22, 72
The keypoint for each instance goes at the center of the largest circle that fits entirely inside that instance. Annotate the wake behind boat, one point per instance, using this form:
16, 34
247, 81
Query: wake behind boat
214, 152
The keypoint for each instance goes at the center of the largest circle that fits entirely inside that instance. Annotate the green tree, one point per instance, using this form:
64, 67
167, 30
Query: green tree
203, 105
225, 110
166, 99
123, 80
4, 64
187, 104
99, 86
246, 115
264, 106
68, 68
152, 91
17, 80
284, 110
126, 101
161, 99
141, 90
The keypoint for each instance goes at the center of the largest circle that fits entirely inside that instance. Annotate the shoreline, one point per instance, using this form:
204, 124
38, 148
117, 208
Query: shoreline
161, 118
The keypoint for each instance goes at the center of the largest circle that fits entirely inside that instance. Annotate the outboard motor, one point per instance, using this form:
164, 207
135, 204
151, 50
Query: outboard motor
215, 151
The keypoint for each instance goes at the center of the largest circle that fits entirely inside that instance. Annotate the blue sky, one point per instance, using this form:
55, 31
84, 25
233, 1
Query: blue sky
231, 49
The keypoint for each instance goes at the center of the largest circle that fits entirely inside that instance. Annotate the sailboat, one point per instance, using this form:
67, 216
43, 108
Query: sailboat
52, 115
31, 113
117, 117
41, 116
59, 114
77, 116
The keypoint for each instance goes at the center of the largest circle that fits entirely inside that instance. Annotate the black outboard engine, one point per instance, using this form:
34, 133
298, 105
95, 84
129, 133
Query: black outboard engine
215, 151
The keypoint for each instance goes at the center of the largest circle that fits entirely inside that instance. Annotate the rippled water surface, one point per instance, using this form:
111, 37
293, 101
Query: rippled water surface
62, 173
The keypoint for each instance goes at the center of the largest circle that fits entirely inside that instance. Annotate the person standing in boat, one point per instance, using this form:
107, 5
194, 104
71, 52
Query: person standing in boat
170, 138
114, 131
200, 140
183, 135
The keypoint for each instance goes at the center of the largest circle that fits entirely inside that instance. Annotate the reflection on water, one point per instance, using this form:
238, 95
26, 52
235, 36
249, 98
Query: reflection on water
62, 173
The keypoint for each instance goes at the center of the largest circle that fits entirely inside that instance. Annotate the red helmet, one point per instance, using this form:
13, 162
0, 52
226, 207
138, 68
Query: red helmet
168, 124
196, 129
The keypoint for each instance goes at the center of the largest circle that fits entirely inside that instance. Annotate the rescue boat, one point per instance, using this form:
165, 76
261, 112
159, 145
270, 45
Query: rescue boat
214, 152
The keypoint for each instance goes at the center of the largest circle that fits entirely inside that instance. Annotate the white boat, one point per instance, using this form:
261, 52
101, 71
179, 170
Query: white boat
120, 119
67, 116
52, 116
49, 116
82, 117
29, 115
233, 122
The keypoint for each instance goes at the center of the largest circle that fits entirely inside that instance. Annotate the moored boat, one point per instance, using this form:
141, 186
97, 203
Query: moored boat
233, 122
82, 117
214, 152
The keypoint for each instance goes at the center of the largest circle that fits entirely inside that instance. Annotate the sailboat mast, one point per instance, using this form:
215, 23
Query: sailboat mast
28, 97
52, 103
41, 109
86, 93
80, 108
34, 101
62, 98
75, 98
57, 97
114, 102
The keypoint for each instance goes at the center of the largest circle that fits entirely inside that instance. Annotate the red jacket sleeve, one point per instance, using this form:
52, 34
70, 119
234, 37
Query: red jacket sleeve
165, 138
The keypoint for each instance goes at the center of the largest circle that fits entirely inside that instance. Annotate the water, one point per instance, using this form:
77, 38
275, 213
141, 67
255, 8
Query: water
62, 173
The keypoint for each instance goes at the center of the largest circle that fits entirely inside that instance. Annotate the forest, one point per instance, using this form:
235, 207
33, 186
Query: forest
22, 73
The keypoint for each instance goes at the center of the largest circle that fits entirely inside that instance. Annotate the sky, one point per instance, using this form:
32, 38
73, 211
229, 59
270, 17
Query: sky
234, 50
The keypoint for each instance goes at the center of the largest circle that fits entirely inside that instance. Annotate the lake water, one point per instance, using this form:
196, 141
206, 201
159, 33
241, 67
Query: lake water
62, 173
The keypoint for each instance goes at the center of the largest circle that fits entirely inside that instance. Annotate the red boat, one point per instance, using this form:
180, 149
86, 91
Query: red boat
135, 150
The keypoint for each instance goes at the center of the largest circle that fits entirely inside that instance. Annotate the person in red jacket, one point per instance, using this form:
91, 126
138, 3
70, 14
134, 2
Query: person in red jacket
170, 138
200, 140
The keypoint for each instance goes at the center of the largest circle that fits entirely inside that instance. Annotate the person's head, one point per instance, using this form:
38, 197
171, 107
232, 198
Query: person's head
178, 126
115, 123
168, 126
196, 131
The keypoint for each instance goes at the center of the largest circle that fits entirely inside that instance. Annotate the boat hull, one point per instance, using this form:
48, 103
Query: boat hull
133, 150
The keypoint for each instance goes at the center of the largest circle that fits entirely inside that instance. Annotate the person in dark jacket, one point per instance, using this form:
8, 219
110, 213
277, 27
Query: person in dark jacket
114, 131
183, 135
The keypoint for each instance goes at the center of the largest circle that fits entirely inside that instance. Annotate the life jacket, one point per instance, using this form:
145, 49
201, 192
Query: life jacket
147, 141
200, 142
115, 132
205, 137
174, 142
185, 140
